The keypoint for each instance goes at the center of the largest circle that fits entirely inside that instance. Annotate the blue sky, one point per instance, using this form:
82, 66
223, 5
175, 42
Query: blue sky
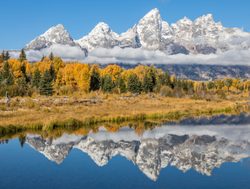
21, 21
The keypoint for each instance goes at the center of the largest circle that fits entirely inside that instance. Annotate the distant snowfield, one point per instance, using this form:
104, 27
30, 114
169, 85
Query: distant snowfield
139, 55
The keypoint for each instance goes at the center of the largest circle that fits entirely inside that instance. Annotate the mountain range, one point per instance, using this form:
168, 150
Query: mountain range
201, 36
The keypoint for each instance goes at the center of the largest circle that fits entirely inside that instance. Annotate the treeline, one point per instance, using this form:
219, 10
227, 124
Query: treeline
51, 76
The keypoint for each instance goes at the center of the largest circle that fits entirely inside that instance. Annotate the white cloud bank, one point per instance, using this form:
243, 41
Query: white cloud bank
66, 52
135, 56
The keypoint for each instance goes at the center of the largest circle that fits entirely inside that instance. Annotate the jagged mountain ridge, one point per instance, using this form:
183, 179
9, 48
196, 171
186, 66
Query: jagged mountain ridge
201, 36
195, 148
100, 36
55, 35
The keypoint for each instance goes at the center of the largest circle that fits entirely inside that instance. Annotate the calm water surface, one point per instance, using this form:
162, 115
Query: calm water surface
204, 153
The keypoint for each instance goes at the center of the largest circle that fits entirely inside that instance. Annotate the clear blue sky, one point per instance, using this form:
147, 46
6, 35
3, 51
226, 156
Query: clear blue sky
23, 20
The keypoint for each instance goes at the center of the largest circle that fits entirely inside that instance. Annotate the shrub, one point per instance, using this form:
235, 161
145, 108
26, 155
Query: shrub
166, 91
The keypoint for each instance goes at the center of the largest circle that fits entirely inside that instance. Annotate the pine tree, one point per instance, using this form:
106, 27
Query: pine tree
134, 84
6, 56
7, 76
149, 81
42, 59
2, 56
95, 80
36, 78
45, 86
23, 70
22, 86
52, 72
107, 83
51, 56
22, 56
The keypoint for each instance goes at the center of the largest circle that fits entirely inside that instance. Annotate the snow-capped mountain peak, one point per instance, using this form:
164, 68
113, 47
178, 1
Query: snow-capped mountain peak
183, 31
208, 17
207, 21
154, 13
204, 35
100, 36
101, 27
206, 30
185, 21
149, 30
55, 35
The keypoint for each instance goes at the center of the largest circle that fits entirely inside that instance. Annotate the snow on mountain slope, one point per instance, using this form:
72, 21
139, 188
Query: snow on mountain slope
100, 36
55, 35
183, 31
130, 39
202, 36
167, 35
149, 30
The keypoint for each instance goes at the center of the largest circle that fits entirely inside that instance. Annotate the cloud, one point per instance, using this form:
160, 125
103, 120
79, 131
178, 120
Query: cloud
66, 52
135, 56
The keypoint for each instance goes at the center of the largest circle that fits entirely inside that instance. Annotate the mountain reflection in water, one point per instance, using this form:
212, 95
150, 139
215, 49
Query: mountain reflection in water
201, 148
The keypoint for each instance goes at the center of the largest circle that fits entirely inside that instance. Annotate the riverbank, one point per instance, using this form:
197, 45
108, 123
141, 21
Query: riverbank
75, 111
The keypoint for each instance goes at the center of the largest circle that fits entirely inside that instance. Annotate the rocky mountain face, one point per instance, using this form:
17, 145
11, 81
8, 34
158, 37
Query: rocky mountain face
201, 36
198, 148
206, 72
149, 30
56, 35
201, 72
100, 37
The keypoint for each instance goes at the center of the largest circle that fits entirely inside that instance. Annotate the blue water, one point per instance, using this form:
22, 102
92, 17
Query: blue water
25, 168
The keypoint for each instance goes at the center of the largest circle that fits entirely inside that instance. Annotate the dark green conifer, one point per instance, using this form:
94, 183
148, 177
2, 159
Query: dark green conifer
107, 83
95, 81
46, 87
36, 78
51, 56
7, 76
22, 56
134, 84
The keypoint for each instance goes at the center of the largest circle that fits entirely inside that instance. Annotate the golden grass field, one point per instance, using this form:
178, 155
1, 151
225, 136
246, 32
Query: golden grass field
101, 108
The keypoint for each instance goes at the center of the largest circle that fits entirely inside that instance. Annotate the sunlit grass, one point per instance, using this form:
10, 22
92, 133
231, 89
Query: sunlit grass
49, 113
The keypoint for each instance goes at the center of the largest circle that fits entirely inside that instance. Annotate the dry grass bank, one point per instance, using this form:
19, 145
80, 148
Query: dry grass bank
104, 108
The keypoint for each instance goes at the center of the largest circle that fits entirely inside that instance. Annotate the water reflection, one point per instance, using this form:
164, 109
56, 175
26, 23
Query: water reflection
195, 147
192, 144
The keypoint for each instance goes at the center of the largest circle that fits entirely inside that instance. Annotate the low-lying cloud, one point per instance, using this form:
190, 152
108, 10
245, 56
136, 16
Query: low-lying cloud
66, 52
134, 56
142, 56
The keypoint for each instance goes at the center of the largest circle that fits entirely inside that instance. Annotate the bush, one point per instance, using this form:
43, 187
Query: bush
178, 92
221, 94
166, 91
66, 90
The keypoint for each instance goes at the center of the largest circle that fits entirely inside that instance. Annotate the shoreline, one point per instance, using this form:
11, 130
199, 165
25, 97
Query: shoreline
77, 112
